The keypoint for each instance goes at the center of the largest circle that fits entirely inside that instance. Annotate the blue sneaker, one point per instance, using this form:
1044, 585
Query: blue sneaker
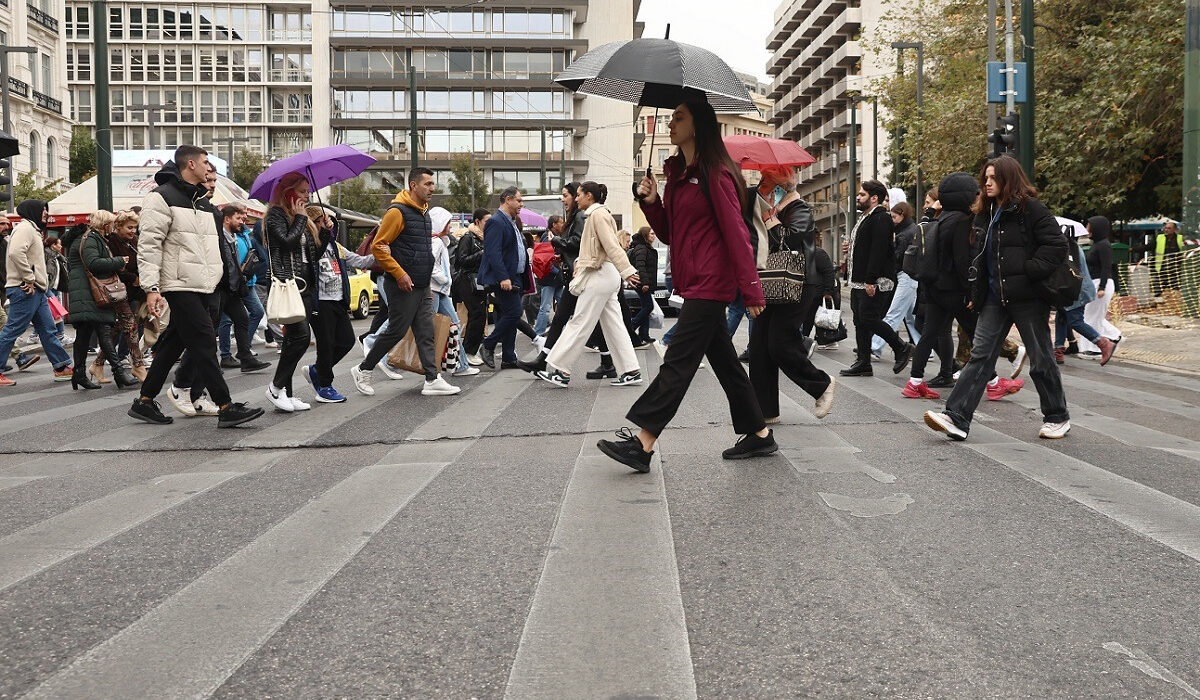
328, 394
312, 377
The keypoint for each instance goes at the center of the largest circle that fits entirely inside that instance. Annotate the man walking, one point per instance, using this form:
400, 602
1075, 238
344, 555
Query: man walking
1168, 261
904, 299
180, 264
503, 271
404, 249
872, 272
233, 293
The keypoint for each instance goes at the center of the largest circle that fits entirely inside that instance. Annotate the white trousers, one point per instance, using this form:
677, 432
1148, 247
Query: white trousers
598, 302
1095, 314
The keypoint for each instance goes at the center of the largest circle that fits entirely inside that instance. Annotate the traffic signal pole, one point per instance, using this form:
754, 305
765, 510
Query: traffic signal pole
6, 188
1027, 109
104, 190
1191, 123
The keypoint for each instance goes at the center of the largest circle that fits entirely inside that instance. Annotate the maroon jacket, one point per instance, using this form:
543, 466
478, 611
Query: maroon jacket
711, 257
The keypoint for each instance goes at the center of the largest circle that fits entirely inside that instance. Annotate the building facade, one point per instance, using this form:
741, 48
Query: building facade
38, 108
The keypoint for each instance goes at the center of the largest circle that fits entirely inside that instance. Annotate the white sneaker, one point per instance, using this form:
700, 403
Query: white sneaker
272, 345
439, 387
1018, 362
205, 407
957, 375
258, 339
362, 381
828, 346
181, 400
468, 372
944, 424
539, 342
1055, 431
389, 372
280, 399
474, 360
298, 405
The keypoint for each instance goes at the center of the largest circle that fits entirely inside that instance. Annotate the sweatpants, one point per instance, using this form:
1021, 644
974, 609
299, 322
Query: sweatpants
406, 310
191, 329
597, 302
335, 337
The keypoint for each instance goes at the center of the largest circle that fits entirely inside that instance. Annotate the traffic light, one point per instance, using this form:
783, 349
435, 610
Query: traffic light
1007, 136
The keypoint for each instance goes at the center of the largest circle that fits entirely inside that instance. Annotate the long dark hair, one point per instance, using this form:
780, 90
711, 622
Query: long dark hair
573, 189
1014, 185
711, 154
599, 192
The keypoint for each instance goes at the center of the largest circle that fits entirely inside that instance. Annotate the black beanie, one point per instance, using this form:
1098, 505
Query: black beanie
958, 192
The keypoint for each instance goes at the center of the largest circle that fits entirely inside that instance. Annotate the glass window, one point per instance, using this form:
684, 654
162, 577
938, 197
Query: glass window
153, 28
34, 143
540, 65
206, 22
460, 102
477, 21
540, 23
559, 22
137, 65
135, 23
461, 22
460, 64
83, 103
187, 21
83, 22
497, 21
116, 22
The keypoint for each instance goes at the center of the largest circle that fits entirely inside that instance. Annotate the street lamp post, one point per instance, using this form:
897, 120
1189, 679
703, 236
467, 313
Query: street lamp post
7, 194
230, 140
920, 49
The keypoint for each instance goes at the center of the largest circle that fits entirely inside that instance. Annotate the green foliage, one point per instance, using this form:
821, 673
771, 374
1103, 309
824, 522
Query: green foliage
466, 180
247, 164
1109, 88
26, 188
82, 153
357, 195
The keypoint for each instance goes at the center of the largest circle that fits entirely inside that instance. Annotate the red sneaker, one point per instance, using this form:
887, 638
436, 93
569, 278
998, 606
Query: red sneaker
5, 381
1003, 388
919, 391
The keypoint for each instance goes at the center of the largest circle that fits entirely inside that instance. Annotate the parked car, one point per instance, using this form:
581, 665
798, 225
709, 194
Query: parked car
362, 294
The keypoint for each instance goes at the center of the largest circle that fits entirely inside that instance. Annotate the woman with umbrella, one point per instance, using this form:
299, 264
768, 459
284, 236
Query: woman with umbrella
293, 254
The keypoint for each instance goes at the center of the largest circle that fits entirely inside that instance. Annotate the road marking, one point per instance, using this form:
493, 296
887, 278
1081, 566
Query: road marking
471, 414
867, 507
607, 616
53, 465
17, 399
36, 548
832, 460
189, 645
7, 482
1136, 397
1147, 665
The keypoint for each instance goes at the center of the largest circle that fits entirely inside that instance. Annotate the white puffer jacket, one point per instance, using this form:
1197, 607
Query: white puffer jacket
178, 248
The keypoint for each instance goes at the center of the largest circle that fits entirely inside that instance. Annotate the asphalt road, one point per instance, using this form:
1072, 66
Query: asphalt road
479, 546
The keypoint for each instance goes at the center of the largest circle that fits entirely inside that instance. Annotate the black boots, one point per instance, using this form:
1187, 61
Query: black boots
80, 379
606, 370
123, 378
535, 365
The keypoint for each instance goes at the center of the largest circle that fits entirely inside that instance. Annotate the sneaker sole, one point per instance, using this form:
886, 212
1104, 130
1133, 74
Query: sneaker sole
439, 393
146, 419
938, 427
636, 466
759, 452
560, 385
1053, 437
321, 400
632, 382
245, 419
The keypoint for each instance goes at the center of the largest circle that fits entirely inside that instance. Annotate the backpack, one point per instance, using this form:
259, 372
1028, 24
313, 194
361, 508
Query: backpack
921, 260
543, 260
1063, 286
364, 248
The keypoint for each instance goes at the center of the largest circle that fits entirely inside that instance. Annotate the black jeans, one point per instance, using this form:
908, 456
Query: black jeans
868, 322
1032, 320
231, 305
508, 316
476, 302
941, 309
83, 343
296, 338
810, 299
192, 329
185, 376
775, 346
335, 337
700, 332
562, 314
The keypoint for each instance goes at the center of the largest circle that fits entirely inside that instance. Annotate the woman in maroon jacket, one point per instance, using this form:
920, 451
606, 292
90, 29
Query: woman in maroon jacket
700, 216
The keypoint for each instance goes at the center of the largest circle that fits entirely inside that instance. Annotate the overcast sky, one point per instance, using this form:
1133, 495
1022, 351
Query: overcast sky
734, 30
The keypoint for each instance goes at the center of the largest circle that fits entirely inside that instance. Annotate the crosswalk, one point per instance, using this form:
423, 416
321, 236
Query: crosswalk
702, 578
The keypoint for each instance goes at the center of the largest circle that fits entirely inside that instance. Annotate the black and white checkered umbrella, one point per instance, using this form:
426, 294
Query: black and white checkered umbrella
657, 73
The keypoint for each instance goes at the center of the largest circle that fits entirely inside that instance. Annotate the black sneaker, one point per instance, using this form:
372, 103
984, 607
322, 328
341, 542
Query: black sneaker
236, 414
903, 358
555, 376
603, 372
745, 356
940, 382
230, 362
628, 451
253, 364
148, 412
752, 446
488, 355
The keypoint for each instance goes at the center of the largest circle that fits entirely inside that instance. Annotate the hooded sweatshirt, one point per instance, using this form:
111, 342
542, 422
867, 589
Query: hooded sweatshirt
1099, 257
25, 260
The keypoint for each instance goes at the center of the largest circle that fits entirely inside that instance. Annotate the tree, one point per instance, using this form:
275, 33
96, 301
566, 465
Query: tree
468, 187
247, 164
83, 154
357, 195
26, 188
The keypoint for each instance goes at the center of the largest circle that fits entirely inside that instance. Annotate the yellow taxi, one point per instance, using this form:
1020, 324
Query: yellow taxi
362, 294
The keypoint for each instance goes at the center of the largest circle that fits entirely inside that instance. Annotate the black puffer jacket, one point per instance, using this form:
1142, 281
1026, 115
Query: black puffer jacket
957, 193
906, 230
1029, 245
567, 245
644, 257
293, 252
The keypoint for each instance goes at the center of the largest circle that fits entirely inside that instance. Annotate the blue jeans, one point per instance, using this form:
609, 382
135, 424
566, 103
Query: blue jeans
902, 310
734, 314
641, 322
1072, 319
443, 304
508, 314
371, 338
254, 313
550, 297
24, 309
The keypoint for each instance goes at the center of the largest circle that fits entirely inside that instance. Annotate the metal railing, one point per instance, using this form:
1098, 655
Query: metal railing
19, 87
47, 102
43, 18
276, 75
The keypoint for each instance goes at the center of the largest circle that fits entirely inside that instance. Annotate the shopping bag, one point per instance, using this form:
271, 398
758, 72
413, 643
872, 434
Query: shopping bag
828, 317
825, 336
656, 315
405, 356
57, 310
675, 301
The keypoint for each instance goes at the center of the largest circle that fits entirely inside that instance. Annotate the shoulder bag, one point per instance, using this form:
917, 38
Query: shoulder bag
284, 303
106, 291
783, 277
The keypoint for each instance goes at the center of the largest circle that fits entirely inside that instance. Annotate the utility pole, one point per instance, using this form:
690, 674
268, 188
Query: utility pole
1027, 110
920, 49
1191, 123
230, 140
875, 138
5, 102
562, 162
471, 182
853, 212
104, 192
413, 138
991, 37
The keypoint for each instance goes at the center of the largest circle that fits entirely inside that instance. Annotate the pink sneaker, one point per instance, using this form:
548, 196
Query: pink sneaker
919, 391
5, 381
1003, 388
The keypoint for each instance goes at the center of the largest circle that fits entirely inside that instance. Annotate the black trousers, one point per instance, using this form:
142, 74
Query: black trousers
185, 376
508, 319
296, 337
335, 337
941, 309
191, 329
701, 332
810, 299
231, 305
476, 302
83, 342
868, 322
596, 339
776, 346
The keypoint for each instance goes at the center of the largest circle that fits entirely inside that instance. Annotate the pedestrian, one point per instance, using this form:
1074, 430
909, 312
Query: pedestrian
231, 294
251, 260
871, 267
504, 270
699, 213
903, 309
404, 248
26, 284
293, 254
180, 265
122, 243
1095, 314
467, 257
330, 316
441, 282
1168, 258
567, 247
1020, 246
599, 269
645, 259
820, 288
88, 256
550, 286
1072, 318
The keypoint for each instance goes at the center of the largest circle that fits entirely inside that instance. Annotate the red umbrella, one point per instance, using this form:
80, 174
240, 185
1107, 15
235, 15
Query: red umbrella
756, 152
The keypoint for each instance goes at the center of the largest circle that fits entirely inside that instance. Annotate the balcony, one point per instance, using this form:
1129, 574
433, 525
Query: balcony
47, 102
43, 18
19, 87
288, 75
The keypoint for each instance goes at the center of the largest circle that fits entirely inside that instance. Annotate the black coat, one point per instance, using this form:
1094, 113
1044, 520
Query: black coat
823, 279
955, 252
644, 257
796, 229
874, 255
1029, 246
905, 232
567, 245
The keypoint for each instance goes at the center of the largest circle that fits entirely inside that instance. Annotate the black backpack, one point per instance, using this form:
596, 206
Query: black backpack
921, 260
1061, 289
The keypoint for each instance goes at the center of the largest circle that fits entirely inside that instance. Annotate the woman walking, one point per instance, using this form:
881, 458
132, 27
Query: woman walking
1072, 318
122, 242
567, 247
467, 257
599, 269
645, 258
293, 255
699, 214
441, 281
88, 254
1095, 314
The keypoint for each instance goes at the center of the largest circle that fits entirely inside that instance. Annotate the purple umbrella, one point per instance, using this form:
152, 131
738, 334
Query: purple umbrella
323, 167
530, 217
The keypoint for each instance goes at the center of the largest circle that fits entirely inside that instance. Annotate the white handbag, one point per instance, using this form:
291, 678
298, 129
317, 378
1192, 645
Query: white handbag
580, 280
284, 303
828, 317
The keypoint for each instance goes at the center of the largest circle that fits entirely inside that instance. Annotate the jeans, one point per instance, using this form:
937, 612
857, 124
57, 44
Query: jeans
191, 328
1072, 319
550, 297
641, 322
254, 314
995, 320
902, 310
445, 305
508, 314
735, 312
24, 309
335, 337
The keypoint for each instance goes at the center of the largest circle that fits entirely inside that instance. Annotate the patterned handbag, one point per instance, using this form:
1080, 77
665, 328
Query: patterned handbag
783, 277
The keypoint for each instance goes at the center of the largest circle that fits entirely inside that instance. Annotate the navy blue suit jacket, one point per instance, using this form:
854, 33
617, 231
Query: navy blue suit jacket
500, 261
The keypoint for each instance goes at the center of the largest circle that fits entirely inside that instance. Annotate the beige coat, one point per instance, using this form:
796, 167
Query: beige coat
600, 243
26, 259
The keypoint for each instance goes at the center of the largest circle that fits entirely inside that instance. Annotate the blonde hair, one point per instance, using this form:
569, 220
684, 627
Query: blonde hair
101, 220
314, 214
285, 188
625, 238
124, 217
